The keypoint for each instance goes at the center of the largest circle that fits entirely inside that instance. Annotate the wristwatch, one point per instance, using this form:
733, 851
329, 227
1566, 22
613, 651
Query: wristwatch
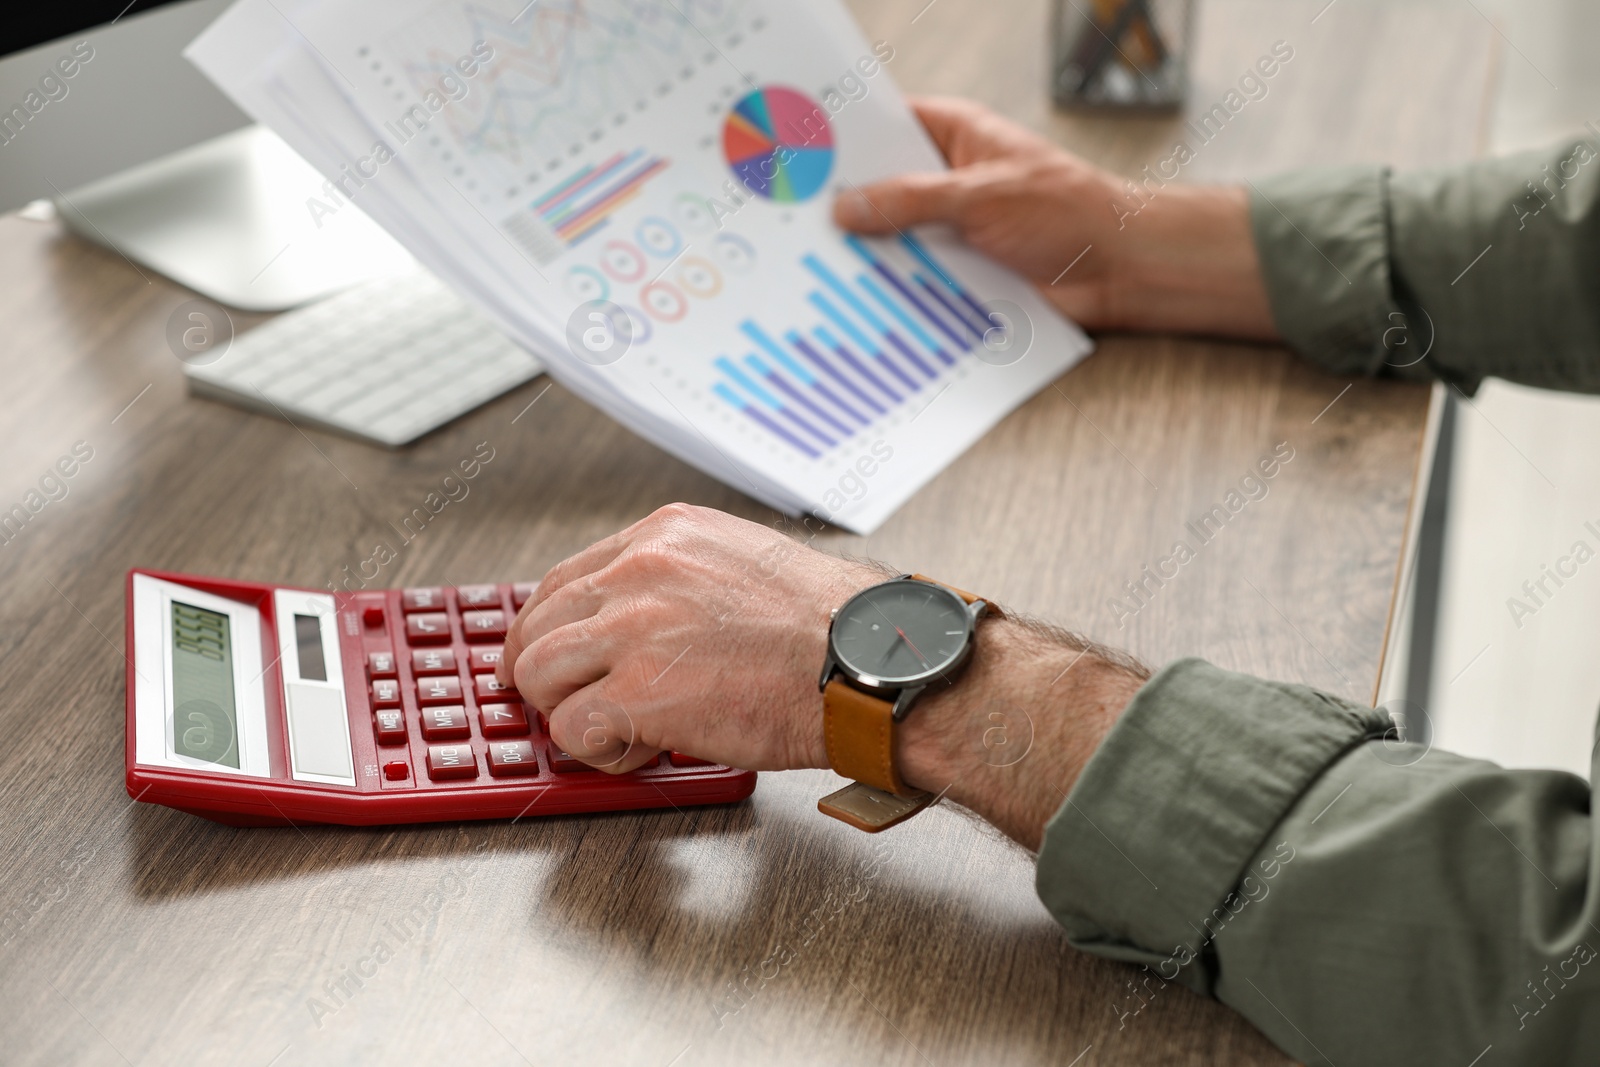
886, 645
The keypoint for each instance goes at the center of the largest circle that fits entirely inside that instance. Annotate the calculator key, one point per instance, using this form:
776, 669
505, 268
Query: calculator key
373, 617
445, 723
508, 758
445, 690
386, 693
430, 598
489, 689
451, 761
390, 726
484, 625
485, 660
433, 661
381, 664
396, 770
678, 759
560, 761
478, 596
523, 592
503, 720
431, 629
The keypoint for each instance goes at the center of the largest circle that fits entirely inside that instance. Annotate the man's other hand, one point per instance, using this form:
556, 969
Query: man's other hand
1168, 257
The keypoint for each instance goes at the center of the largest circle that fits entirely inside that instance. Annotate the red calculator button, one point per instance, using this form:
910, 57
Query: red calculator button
431, 629
390, 726
451, 761
503, 720
381, 664
446, 690
430, 598
373, 617
560, 761
485, 660
386, 693
678, 759
445, 724
523, 592
433, 661
396, 770
484, 625
488, 689
508, 758
478, 596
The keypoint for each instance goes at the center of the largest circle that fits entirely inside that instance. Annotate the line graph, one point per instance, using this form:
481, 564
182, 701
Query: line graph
565, 71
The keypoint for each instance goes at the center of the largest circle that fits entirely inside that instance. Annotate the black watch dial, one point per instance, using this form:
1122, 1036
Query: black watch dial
901, 633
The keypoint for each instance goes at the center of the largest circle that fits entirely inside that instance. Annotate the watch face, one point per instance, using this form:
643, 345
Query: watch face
900, 633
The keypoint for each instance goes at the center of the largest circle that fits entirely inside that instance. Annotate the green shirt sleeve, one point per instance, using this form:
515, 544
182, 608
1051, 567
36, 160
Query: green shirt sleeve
1461, 272
1359, 899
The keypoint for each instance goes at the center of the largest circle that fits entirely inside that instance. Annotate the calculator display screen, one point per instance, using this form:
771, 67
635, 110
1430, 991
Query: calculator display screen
204, 722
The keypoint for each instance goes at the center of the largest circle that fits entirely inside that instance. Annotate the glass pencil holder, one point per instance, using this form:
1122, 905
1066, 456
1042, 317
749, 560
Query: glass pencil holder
1128, 55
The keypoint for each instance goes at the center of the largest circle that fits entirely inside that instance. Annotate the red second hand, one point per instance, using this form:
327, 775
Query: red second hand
913, 647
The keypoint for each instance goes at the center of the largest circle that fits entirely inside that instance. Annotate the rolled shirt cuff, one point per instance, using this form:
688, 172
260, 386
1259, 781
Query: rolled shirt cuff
1322, 236
1177, 801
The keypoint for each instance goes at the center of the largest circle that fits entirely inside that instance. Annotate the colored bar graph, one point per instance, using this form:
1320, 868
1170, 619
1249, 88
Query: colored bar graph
584, 202
744, 381
798, 371
848, 328
878, 336
888, 274
865, 313
933, 291
778, 382
739, 402
825, 365
849, 357
905, 320
921, 252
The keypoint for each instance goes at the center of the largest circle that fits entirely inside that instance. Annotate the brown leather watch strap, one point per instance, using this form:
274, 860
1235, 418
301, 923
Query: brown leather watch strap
859, 731
993, 608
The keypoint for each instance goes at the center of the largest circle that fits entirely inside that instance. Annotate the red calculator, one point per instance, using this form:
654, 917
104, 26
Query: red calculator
263, 705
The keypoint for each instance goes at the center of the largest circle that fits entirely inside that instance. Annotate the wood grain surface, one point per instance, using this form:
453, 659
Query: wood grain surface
135, 934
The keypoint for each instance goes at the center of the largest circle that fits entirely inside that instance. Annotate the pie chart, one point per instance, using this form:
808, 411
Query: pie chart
779, 144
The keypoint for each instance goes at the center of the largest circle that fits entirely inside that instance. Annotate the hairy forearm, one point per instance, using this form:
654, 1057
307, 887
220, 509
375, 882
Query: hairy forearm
1009, 737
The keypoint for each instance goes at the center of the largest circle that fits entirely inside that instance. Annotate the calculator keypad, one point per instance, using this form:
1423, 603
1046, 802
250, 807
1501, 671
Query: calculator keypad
439, 707
428, 599
484, 625
503, 720
511, 758
445, 723
433, 661
488, 688
429, 628
452, 761
390, 726
442, 690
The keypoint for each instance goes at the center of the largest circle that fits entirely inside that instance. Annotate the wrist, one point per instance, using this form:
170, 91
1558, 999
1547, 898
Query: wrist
1187, 263
1009, 737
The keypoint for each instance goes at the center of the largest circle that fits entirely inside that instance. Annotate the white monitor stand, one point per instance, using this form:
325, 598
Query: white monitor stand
229, 219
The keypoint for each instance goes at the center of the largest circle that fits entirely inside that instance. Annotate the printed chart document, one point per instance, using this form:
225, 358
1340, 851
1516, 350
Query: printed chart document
639, 191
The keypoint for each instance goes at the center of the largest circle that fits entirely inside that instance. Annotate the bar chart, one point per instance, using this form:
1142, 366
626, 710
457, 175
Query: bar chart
583, 203
880, 338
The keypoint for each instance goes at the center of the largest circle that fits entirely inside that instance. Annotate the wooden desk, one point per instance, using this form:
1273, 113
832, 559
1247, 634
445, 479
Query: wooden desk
136, 934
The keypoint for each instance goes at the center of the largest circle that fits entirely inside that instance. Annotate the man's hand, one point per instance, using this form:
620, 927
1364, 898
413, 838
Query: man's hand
1176, 258
697, 632
689, 631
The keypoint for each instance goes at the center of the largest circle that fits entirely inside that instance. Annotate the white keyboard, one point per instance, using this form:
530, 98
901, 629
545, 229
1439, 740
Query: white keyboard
386, 361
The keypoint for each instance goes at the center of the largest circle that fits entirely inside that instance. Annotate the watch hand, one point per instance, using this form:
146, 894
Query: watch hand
913, 647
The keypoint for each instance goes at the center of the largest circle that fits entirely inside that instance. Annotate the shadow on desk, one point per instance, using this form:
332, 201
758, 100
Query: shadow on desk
816, 925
